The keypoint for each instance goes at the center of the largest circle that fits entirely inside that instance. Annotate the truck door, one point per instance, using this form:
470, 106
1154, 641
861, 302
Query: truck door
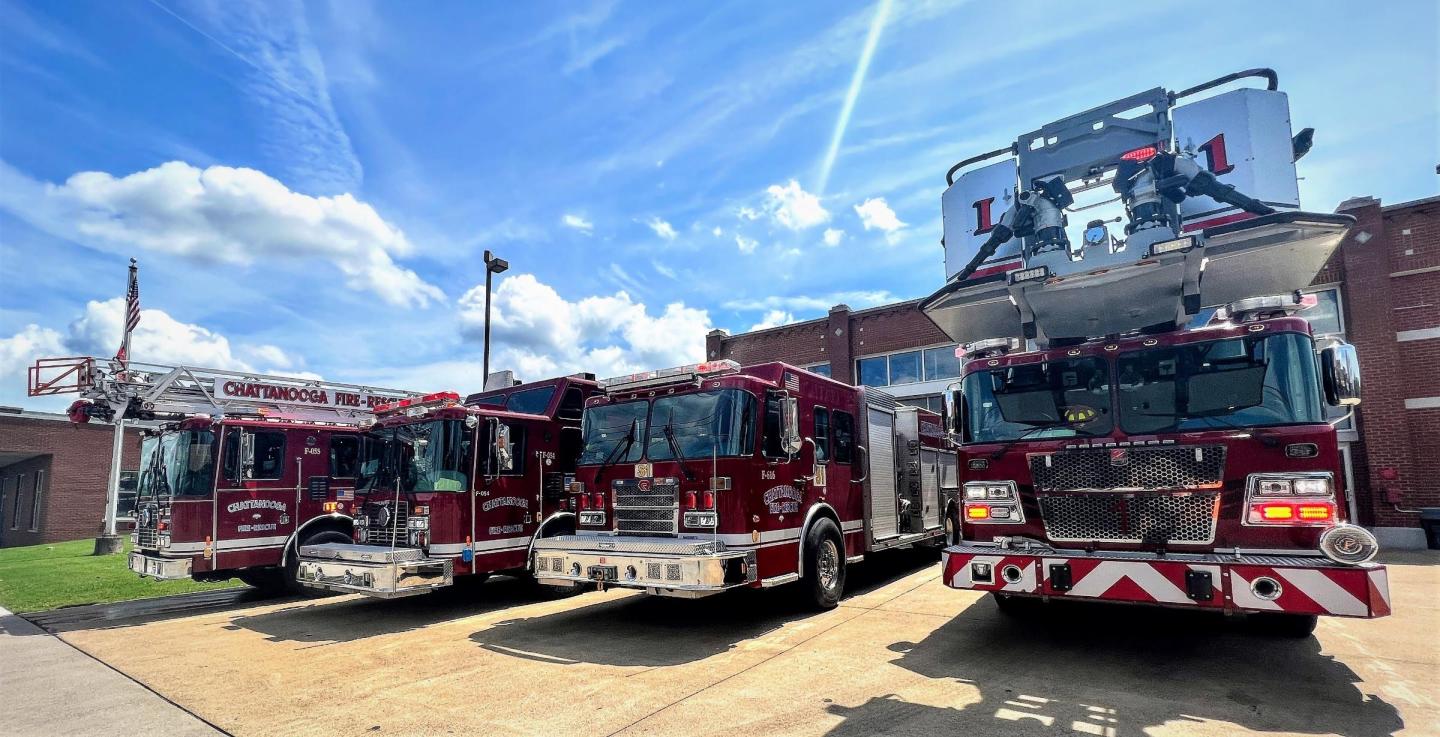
506, 504
257, 494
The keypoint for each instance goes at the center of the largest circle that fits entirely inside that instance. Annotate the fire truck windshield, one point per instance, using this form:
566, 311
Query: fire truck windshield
1055, 399
424, 456
718, 422
607, 427
1252, 381
177, 463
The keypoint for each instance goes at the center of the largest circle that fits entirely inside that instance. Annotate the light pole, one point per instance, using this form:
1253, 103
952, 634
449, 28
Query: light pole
493, 265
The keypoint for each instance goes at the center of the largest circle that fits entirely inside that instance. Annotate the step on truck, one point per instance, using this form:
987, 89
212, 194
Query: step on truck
1166, 435
449, 489
704, 478
237, 470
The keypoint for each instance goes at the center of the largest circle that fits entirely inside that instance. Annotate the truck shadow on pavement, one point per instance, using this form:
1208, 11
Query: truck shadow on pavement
652, 631
345, 619
1117, 671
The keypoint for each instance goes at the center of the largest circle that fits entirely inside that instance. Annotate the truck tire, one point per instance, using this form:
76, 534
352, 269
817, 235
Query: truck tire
265, 580
292, 564
824, 564
1296, 626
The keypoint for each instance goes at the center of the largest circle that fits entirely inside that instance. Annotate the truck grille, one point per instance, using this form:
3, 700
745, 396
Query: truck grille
646, 506
1131, 518
396, 532
1132, 468
147, 521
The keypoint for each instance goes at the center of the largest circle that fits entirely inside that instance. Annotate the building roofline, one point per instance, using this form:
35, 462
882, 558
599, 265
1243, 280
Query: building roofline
801, 323
1412, 203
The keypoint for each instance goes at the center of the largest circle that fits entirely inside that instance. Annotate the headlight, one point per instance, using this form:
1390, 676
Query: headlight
419, 523
163, 541
362, 534
1312, 487
977, 490
592, 518
1274, 487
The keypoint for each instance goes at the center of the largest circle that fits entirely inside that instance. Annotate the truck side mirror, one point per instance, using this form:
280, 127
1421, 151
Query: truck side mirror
247, 455
500, 448
954, 410
1340, 370
790, 439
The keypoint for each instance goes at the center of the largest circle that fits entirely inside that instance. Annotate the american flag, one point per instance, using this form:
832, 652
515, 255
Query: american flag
132, 313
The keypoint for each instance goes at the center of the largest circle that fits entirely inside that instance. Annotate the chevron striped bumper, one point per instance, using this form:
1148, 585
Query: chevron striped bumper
1250, 583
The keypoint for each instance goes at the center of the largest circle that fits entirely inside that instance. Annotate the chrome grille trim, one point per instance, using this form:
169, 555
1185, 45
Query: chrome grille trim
1139, 469
1156, 519
395, 534
651, 511
148, 536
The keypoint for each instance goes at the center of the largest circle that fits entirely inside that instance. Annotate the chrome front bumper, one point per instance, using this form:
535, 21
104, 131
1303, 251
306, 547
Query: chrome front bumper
665, 566
373, 570
163, 569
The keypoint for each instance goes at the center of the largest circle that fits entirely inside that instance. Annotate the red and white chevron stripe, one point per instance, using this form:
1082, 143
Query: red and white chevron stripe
1309, 586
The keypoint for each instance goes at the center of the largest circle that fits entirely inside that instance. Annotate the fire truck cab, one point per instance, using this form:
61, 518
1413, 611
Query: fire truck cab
1163, 438
237, 470
448, 489
235, 497
704, 478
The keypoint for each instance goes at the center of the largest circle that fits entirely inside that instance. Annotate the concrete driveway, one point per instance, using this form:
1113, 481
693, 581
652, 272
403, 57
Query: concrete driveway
902, 655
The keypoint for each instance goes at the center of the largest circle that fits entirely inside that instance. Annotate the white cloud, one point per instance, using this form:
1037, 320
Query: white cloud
662, 228
717, 232
793, 207
833, 236
539, 333
875, 214
578, 223
159, 338
269, 355
746, 245
663, 270
221, 214
20, 350
746, 213
773, 318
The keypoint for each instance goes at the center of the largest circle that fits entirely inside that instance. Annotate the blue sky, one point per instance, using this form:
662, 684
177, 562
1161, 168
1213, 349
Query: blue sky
309, 187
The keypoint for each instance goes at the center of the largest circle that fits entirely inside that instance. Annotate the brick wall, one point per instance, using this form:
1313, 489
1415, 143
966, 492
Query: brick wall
839, 338
76, 460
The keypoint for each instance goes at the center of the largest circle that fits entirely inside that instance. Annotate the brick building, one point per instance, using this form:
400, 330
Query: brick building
53, 476
1381, 292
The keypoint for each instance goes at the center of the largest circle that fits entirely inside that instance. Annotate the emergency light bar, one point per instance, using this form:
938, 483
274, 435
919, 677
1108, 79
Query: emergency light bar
420, 404
670, 375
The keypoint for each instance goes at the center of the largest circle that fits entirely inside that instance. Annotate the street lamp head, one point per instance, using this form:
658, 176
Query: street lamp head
497, 265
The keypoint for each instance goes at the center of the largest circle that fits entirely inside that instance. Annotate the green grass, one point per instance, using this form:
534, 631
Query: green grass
41, 577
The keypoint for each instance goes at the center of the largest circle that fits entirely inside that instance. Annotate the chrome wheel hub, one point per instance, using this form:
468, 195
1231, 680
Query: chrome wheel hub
827, 563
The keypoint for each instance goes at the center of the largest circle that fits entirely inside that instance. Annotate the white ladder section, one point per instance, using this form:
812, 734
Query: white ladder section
151, 391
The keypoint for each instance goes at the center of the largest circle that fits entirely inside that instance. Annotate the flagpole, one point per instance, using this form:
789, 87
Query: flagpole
109, 541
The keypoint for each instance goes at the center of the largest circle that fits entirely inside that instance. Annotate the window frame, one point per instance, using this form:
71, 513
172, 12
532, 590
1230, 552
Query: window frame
280, 469
36, 494
518, 448
15, 503
355, 460
889, 374
848, 447
829, 371
821, 442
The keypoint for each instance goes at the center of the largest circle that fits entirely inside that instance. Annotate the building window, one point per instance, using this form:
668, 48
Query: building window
822, 369
934, 403
872, 371
35, 501
15, 503
125, 505
941, 363
1325, 317
909, 367
905, 368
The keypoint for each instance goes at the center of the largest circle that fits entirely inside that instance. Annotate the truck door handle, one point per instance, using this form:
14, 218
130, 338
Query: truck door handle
866, 465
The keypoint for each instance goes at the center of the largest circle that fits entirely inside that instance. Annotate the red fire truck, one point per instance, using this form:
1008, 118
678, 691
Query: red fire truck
236, 471
1143, 449
703, 478
447, 489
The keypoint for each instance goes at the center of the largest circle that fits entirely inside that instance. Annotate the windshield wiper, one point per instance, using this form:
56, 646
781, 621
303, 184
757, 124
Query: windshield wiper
622, 446
1008, 444
669, 432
